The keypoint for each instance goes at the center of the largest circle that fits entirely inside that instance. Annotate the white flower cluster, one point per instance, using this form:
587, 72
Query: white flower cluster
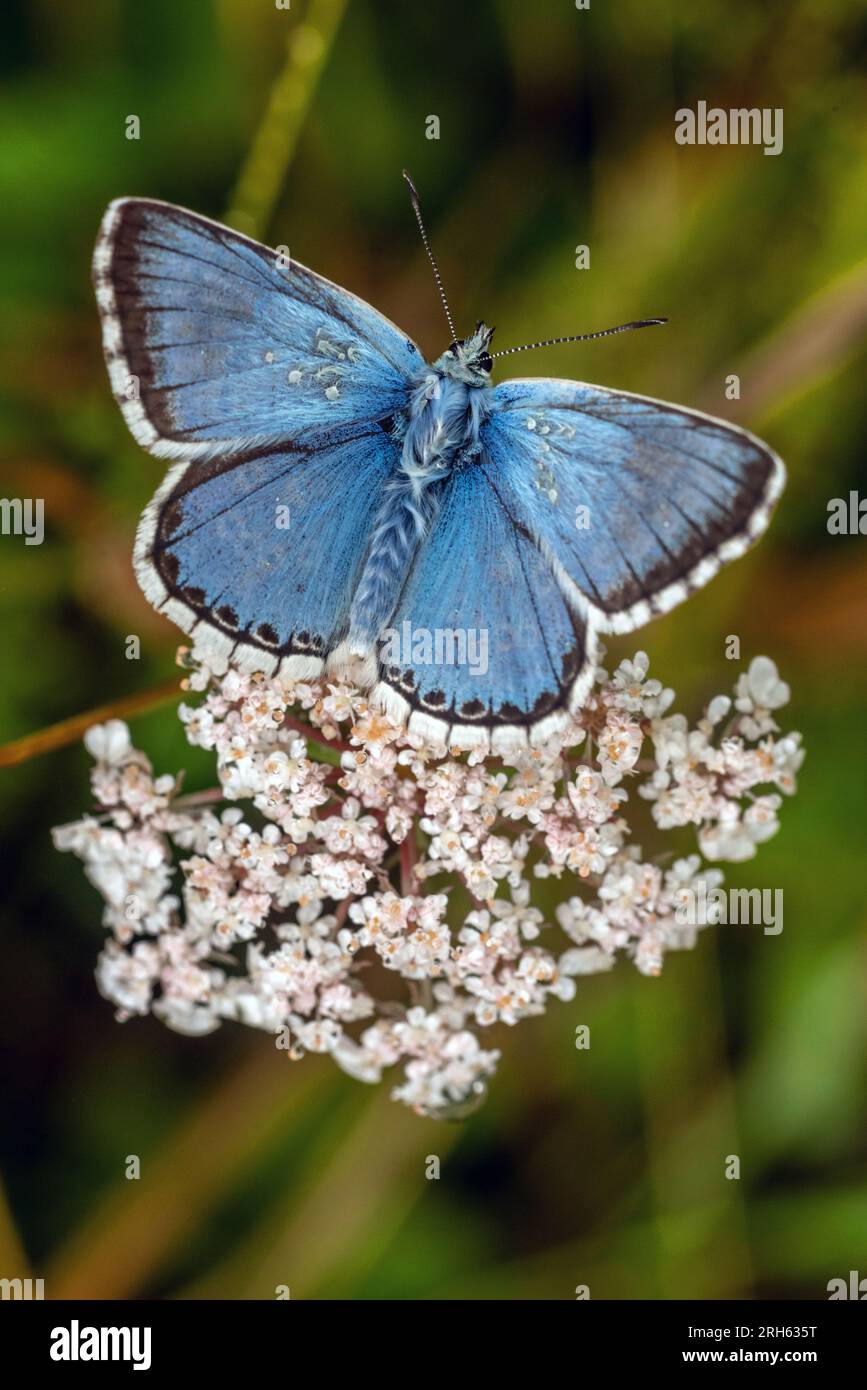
286, 911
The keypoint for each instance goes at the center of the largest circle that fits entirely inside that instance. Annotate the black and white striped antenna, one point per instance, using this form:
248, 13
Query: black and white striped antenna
416, 207
580, 337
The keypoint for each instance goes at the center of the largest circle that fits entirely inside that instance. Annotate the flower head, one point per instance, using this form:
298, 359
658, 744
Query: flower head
334, 854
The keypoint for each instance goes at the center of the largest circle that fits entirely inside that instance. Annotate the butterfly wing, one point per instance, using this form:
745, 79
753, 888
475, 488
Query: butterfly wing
636, 503
211, 338
265, 383
489, 648
588, 511
257, 555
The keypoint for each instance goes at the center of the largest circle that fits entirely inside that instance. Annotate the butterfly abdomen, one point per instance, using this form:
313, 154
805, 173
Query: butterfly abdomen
406, 512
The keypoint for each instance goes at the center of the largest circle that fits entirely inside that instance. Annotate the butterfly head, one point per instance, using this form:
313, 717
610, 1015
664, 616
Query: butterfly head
468, 359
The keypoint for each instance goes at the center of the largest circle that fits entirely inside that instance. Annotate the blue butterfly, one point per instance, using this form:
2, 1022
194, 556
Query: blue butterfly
336, 503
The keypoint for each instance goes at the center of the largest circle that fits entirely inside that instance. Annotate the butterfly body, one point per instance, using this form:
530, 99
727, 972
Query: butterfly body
331, 491
438, 433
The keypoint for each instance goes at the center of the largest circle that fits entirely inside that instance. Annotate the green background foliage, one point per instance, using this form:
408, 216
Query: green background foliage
602, 1167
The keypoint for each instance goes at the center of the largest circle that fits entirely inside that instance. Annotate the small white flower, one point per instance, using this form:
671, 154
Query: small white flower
109, 743
585, 960
764, 685
718, 709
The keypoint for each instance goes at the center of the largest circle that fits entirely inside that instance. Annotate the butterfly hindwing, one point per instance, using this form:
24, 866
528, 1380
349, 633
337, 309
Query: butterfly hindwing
257, 555
635, 503
211, 338
488, 648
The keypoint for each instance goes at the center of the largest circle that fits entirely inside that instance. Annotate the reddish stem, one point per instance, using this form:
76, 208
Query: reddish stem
307, 731
408, 861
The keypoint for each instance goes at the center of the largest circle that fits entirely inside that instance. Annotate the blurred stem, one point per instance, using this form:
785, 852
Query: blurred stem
689, 1137
408, 859
205, 798
814, 342
325, 746
355, 1186
71, 730
308, 45
135, 1230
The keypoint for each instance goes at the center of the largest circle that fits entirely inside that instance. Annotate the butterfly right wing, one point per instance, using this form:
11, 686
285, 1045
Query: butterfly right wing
213, 343
634, 502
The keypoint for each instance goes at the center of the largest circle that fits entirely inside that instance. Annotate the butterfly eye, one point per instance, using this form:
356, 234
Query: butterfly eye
485, 362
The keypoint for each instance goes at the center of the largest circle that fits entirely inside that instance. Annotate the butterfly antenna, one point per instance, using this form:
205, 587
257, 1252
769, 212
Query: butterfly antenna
416, 207
581, 337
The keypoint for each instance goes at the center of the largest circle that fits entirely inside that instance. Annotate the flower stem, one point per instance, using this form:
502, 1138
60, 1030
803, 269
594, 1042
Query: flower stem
308, 46
71, 730
316, 735
408, 858
193, 799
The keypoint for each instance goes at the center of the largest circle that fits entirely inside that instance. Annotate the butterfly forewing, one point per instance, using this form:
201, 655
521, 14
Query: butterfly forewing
212, 339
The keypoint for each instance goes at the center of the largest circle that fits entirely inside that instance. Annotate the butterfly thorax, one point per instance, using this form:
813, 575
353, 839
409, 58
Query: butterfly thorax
440, 431
442, 426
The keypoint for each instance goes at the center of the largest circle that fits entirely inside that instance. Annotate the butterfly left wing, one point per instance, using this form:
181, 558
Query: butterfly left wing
635, 503
213, 340
272, 389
